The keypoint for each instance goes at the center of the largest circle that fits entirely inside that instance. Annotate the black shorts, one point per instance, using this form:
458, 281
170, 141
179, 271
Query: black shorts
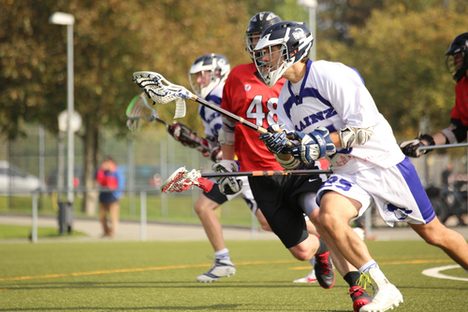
215, 195
218, 197
277, 197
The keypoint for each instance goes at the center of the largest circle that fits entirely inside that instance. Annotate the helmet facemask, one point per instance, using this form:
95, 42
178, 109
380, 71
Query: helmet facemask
207, 72
281, 46
457, 57
272, 62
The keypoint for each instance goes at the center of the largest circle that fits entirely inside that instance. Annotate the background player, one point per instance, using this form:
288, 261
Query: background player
207, 76
457, 63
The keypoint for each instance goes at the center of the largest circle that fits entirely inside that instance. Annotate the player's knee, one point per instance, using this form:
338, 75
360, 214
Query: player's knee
305, 250
202, 207
265, 226
301, 255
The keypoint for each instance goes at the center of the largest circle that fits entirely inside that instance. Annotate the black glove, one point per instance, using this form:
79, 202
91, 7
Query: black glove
411, 148
276, 140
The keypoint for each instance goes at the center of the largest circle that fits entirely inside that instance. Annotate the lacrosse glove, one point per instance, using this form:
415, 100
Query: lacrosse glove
228, 185
411, 148
277, 140
215, 152
189, 138
313, 146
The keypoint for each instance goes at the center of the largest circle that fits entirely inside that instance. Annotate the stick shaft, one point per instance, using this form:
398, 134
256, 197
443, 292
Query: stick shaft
266, 173
226, 113
441, 146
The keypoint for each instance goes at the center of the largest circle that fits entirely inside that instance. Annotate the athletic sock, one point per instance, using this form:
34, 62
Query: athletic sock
312, 261
222, 254
367, 266
352, 278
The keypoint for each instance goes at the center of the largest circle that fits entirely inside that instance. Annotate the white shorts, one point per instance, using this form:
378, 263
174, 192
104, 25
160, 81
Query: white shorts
396, 192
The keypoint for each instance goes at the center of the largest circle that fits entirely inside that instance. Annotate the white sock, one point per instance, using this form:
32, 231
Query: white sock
367, 266
222, 254
312, 261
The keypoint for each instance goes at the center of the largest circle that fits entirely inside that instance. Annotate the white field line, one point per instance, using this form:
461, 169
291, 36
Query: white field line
435, 272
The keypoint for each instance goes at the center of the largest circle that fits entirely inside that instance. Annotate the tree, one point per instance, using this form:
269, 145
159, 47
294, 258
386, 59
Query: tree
400, 55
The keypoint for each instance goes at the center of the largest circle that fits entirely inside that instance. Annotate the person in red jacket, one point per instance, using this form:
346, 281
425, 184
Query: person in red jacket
457, 63
111, 182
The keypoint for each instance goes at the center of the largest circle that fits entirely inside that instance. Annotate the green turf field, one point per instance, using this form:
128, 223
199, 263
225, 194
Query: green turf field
160, 276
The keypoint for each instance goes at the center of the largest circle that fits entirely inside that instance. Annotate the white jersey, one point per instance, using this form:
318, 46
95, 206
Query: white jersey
212, 120
213, 123
333, 95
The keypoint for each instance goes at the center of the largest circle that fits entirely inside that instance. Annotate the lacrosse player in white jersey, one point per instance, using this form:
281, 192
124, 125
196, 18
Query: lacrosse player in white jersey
331, 114
207, 76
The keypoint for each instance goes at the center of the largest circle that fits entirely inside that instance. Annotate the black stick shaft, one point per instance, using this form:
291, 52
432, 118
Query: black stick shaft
266, 173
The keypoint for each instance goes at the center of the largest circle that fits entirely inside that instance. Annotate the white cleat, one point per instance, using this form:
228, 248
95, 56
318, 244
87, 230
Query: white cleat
221, 268
386, 298
309, 279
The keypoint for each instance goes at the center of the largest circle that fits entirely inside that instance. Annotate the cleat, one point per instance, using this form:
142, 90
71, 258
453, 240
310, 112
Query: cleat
386, 295
221, 268
324, 270
359, 296
309, 279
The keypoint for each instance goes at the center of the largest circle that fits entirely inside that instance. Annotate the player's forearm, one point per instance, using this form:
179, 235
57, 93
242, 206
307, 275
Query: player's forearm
439, 138
228, 151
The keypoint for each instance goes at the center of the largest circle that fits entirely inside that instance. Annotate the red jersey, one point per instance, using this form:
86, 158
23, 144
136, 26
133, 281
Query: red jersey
460, 110
247, 96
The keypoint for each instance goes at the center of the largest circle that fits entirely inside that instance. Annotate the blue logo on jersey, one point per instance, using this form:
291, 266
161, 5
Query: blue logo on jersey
314, 118
400, 213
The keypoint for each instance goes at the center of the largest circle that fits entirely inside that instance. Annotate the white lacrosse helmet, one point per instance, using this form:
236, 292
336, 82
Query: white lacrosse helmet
207, 71
280, 46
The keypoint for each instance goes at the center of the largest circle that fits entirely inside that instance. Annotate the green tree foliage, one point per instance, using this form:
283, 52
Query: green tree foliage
400, 54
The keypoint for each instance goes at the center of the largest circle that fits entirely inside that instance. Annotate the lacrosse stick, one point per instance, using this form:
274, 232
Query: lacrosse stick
182, 179
441, 146
140, 108
161, 91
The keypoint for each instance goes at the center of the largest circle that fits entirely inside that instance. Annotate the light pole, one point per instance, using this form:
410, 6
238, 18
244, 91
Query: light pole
60, 18
312, 6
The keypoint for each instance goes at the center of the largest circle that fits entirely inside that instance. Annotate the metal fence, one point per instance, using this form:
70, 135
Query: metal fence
149, 157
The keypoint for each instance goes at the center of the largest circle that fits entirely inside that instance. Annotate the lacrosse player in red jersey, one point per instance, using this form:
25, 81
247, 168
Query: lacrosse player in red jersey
457, 63
282, 199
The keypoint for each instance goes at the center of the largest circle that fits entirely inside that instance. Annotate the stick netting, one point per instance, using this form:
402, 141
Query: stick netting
161, 91
181, 180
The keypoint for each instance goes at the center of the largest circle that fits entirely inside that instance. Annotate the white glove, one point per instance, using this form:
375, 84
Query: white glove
228, 185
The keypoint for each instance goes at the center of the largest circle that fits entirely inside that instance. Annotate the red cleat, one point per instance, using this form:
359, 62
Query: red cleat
359, 296
324, 270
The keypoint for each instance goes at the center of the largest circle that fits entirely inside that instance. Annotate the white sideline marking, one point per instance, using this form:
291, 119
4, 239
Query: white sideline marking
435, 272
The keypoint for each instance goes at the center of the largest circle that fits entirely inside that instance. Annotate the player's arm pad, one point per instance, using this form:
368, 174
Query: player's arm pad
455, 132
290, 164
351, 136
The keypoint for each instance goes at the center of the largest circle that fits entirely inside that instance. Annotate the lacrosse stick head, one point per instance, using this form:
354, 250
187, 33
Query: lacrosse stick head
182, 180
139, 109
161, 91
